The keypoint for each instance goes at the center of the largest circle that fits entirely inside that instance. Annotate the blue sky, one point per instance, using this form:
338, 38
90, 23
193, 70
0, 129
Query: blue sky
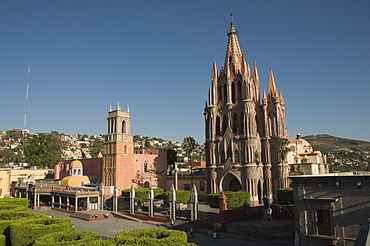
157, 57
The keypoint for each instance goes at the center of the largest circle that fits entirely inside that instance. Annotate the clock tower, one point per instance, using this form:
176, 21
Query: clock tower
118, 153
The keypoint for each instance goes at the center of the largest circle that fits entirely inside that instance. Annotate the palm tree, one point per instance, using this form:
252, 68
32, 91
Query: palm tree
188, 145
282, 149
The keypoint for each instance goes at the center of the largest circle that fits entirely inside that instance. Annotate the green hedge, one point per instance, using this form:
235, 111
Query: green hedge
78, 238
142, 192
235, 199
109, 242
152, 237
182, 196
9, 217
15, 201
285, 196
2, 240
6, 206
25, 232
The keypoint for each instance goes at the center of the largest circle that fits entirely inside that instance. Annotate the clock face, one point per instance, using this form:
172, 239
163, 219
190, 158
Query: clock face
124, 137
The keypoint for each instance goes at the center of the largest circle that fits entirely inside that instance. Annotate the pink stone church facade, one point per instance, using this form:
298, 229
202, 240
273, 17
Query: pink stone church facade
242, 128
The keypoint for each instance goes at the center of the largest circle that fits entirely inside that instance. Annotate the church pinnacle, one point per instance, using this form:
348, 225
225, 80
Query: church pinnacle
234, 55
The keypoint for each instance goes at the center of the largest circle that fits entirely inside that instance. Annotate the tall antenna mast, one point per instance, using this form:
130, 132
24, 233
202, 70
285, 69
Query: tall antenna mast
25, 110
26, 103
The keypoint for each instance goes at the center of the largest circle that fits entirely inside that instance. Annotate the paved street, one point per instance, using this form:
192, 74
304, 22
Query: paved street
108, 228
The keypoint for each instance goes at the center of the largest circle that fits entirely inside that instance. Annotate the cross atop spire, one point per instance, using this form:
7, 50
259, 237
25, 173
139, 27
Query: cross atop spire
232, 16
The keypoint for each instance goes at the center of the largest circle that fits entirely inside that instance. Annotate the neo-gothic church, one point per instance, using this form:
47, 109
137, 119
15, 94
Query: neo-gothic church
241, 129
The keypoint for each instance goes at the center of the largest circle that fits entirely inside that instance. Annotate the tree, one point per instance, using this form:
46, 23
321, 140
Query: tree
282, 148
159, 171
171, 157
138, 179
188, 145
96, 147
10, 156
43, 149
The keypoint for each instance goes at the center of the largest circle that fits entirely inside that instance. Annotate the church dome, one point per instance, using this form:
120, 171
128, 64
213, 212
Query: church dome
297, 157
76, 163
76, 181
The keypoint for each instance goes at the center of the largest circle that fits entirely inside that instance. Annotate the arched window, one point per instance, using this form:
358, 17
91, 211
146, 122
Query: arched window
224, 124
225, 94
202, 185
235, 124
229, 153
218, 126
240, 97
124, 149
233, 94
241, 124
123, 126
236, 156
145, 167
219, 93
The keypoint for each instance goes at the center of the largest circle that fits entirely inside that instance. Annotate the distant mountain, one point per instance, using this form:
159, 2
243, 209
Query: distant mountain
330, 144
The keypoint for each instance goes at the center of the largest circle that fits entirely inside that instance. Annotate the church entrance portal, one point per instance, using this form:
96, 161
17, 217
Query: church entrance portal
231, 183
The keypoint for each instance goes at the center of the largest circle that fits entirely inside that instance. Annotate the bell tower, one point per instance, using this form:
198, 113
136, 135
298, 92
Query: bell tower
118, 153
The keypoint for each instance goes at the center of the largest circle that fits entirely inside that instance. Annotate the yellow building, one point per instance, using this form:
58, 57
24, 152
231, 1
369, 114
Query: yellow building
5, 182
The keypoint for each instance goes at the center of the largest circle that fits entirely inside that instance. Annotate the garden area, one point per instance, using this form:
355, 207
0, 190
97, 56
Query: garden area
19, 227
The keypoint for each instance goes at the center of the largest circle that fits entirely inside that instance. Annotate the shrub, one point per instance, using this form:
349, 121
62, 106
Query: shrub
152, 237
142, 192
182, 196
213, 199
80, 238
24, 233
285, 196
15, 201
9, 217
235, 199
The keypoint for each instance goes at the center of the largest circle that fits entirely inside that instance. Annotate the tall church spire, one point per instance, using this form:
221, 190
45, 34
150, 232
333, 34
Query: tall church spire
272, 91
234, 56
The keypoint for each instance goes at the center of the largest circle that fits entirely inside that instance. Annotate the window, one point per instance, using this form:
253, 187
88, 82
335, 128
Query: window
235, 124
123, 126
218, 127
202, 185
323, 222
145, 167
